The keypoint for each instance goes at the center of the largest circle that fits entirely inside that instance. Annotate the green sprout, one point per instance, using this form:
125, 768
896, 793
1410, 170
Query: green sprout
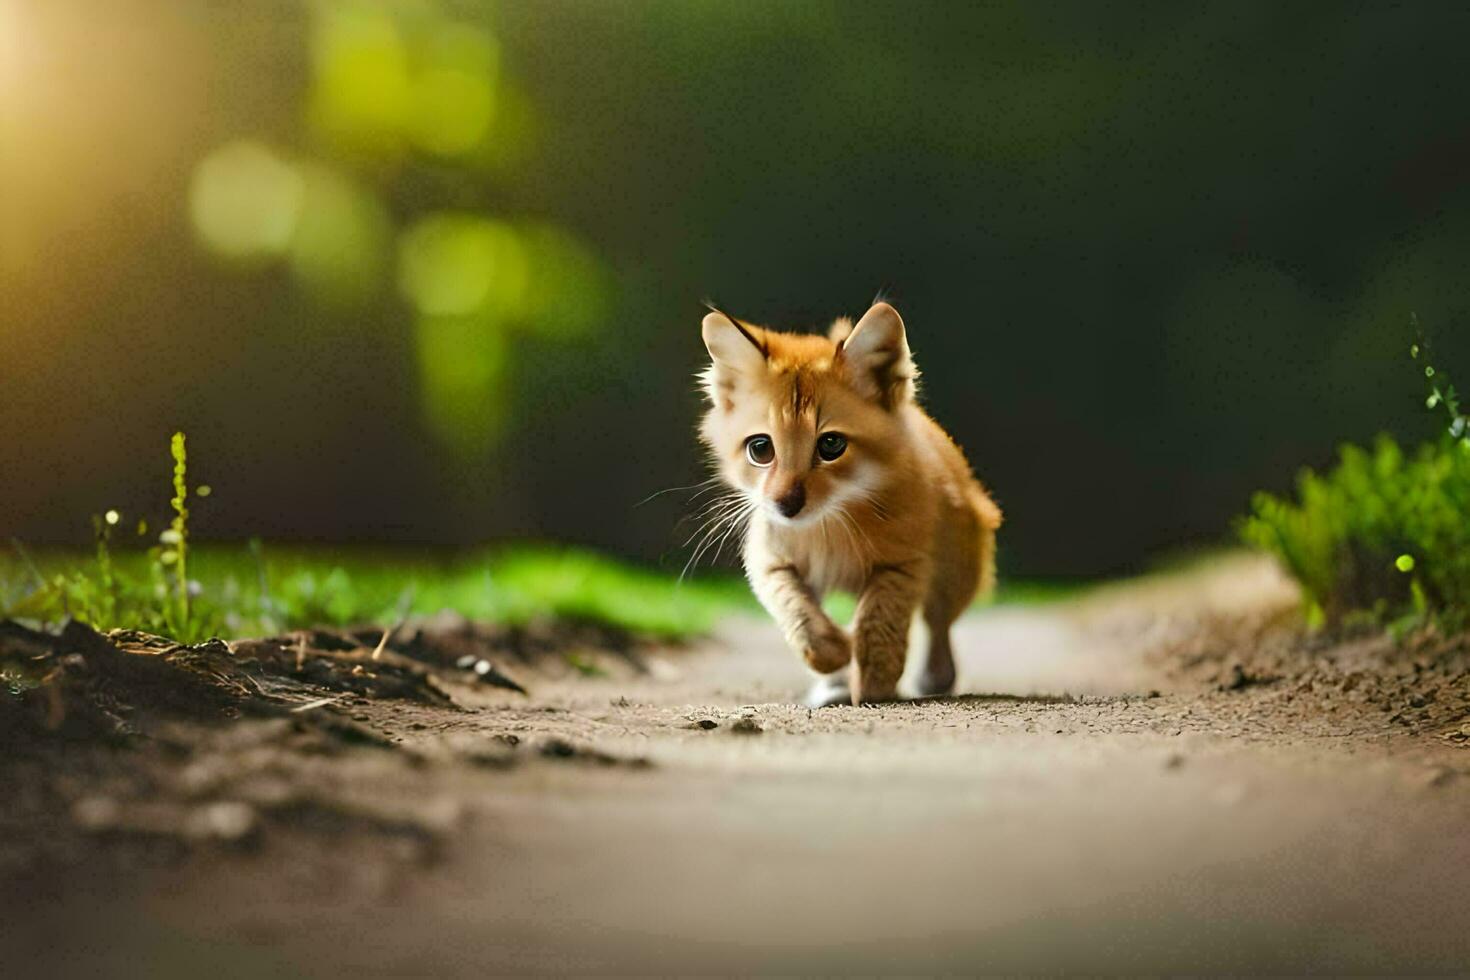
175, 553
1441, 392
106, 577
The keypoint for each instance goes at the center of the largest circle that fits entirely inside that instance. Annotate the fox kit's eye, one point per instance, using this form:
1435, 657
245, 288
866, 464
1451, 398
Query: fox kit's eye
831, 445
760, 450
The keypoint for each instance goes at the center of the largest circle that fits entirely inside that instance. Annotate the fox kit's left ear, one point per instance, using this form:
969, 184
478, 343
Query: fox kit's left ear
876, 357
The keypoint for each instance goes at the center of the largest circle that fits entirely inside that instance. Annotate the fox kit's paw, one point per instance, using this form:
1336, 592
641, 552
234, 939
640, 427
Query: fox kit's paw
829, 690
935, 682
875, 687
871, 695
827, 652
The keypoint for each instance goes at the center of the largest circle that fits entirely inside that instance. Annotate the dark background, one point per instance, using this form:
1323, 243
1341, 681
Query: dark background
1152, 256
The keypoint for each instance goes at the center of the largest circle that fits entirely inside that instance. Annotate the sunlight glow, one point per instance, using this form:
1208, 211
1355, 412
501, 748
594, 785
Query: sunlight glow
10, 47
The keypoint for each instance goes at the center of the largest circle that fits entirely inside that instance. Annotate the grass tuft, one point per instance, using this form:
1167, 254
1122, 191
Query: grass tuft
1384, 534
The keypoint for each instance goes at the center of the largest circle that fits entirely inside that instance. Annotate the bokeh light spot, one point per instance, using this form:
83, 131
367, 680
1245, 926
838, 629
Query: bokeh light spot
452, 111
570, 287
341, 246
462, 362
360, 93
244, 201
454, 92
458, 264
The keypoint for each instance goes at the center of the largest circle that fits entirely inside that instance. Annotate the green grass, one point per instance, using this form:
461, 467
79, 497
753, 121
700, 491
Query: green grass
1384, 534
240, 591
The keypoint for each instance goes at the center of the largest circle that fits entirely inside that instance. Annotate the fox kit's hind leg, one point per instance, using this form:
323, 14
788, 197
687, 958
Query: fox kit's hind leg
938, 675
949, 593
963, 569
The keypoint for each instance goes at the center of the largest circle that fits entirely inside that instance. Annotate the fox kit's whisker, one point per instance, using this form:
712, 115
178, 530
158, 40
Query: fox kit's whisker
705, 485
735, 527
860, 541
715, 531
708, 524
693, 557
875, 504
837, 479
716, 506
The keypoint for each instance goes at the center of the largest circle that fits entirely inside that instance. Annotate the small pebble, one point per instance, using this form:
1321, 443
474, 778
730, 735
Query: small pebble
558, 748
746, 726
95, 813
224, 821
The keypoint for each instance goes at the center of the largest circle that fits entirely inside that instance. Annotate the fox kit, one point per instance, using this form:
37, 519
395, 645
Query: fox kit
849, 485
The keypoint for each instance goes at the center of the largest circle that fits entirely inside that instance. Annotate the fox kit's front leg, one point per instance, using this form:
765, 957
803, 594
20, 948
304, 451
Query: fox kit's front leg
881, 630
806, 626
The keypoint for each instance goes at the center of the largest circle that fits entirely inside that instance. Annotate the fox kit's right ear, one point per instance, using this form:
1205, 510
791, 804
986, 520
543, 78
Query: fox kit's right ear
733, 351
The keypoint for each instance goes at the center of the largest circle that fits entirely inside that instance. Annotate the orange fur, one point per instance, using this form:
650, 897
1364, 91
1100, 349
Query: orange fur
897, 517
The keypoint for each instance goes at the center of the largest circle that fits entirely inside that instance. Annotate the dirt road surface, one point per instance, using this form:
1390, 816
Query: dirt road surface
1122, 786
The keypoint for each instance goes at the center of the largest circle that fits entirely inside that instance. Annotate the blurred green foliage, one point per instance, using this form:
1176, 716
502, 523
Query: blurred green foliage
1153, 255
398, 94
1385, 532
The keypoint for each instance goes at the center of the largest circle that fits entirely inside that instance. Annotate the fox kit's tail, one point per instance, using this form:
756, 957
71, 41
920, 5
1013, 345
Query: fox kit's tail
990, 519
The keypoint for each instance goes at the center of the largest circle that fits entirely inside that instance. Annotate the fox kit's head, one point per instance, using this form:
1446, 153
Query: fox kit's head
804, 425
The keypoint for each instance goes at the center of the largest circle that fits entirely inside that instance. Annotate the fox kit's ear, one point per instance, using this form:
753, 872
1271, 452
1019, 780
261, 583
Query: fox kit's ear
733, 351
876, 357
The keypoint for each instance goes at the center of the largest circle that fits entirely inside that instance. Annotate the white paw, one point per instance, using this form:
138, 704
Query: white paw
829, 690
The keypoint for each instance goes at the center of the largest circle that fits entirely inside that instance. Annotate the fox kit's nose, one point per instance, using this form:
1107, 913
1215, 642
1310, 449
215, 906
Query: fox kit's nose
792, 501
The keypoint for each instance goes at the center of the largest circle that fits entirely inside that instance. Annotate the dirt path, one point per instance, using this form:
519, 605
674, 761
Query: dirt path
1117, 790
